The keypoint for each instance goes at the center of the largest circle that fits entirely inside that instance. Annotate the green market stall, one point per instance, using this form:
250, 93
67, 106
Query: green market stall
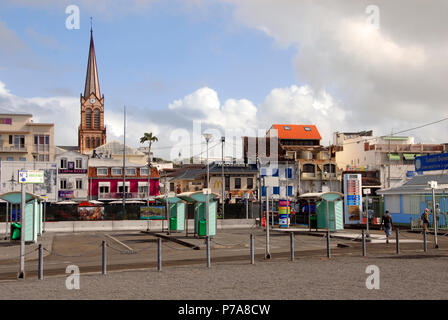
33, 214
330, 211
199, 199
176, 212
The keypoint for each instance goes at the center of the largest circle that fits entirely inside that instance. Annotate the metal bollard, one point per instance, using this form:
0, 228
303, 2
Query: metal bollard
159, 254
40, 269
397, 241
103, 271
252, 250
291, 241
363, 243
425, 243
328, 245
207, 243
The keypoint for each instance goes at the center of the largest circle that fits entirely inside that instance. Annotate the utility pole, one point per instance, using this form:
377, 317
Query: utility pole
329, 163
433, 185
21, 274
149, 171
260, 201
207, 137
124, 160
287, 187
388, 177
223, 139
167, 205
268, 251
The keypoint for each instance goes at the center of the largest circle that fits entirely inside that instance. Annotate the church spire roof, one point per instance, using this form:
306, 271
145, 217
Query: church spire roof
92, 82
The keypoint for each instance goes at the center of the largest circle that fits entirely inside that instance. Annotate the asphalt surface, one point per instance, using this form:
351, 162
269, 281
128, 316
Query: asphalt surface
185, 276
307, 278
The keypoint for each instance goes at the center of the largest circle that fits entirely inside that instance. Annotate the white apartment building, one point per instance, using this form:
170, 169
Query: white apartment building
9, 172
72, 175
391, 156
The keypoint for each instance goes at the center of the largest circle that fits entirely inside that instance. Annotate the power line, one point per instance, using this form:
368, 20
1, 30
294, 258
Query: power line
399, 132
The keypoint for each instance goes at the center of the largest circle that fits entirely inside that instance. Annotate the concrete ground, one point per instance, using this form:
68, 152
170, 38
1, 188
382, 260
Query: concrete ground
185, 275
308, 278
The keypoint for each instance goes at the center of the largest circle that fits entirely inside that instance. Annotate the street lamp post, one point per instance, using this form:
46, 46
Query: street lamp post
223, 139
433, 185
207, 137
34, 165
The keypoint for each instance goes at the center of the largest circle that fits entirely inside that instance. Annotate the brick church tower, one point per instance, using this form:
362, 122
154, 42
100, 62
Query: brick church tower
91, 131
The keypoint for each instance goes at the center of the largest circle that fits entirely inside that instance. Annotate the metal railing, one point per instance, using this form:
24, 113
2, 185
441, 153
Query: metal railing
13, 149
119, 195
417, 148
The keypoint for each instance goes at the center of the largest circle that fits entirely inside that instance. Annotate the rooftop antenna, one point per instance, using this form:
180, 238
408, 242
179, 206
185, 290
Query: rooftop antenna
91, 24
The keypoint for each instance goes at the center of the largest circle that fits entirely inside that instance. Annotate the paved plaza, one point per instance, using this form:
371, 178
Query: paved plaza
132, 274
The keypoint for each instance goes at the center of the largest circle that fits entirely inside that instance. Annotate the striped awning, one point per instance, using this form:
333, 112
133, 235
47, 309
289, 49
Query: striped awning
394, 156
409, 156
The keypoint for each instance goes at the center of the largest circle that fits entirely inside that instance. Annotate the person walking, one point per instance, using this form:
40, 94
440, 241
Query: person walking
425, 219
386, 220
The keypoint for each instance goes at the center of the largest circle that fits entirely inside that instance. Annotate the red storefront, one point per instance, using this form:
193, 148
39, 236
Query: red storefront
106, 182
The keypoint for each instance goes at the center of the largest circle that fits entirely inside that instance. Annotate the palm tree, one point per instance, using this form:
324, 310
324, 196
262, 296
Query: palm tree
150, 138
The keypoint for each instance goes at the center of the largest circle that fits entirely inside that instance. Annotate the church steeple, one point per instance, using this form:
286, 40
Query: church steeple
92, 82
91, 131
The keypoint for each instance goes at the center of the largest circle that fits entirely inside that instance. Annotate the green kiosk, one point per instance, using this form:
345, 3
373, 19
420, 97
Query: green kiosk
33, 215
176, 211
330, 211
198, 198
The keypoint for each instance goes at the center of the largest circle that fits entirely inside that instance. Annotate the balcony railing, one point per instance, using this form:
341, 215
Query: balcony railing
308, 174
119, 195
13, 149
414, 148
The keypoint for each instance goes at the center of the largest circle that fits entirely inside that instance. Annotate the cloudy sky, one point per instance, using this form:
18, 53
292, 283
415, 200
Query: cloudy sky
230, 67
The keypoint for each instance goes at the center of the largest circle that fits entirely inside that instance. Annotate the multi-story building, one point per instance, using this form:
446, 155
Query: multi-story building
188, 178
106, 180
22, 139
239, 179
391, 157
9, 171
293, 155
114, 150
72, 175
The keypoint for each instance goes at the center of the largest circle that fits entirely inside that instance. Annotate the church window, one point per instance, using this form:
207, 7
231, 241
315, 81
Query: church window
89, 118
96, 118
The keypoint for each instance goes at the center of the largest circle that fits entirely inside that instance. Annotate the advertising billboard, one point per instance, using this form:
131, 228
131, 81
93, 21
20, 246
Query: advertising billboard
90, 213
153, 212
353, 198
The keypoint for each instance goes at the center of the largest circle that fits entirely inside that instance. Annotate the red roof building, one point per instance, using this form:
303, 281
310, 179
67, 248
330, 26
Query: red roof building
296, 132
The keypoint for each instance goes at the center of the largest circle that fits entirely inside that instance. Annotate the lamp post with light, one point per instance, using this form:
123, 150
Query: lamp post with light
207, 137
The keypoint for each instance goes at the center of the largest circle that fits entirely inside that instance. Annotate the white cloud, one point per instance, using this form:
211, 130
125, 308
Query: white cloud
204, 105
232, 118
62, 111
394, 77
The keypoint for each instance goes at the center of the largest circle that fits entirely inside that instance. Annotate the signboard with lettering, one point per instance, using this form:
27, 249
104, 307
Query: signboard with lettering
431, 162
353, 198
31, 176
68, 194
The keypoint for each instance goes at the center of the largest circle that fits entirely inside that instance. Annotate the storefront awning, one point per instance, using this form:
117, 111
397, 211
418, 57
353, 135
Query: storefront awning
408, 156
394, 157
